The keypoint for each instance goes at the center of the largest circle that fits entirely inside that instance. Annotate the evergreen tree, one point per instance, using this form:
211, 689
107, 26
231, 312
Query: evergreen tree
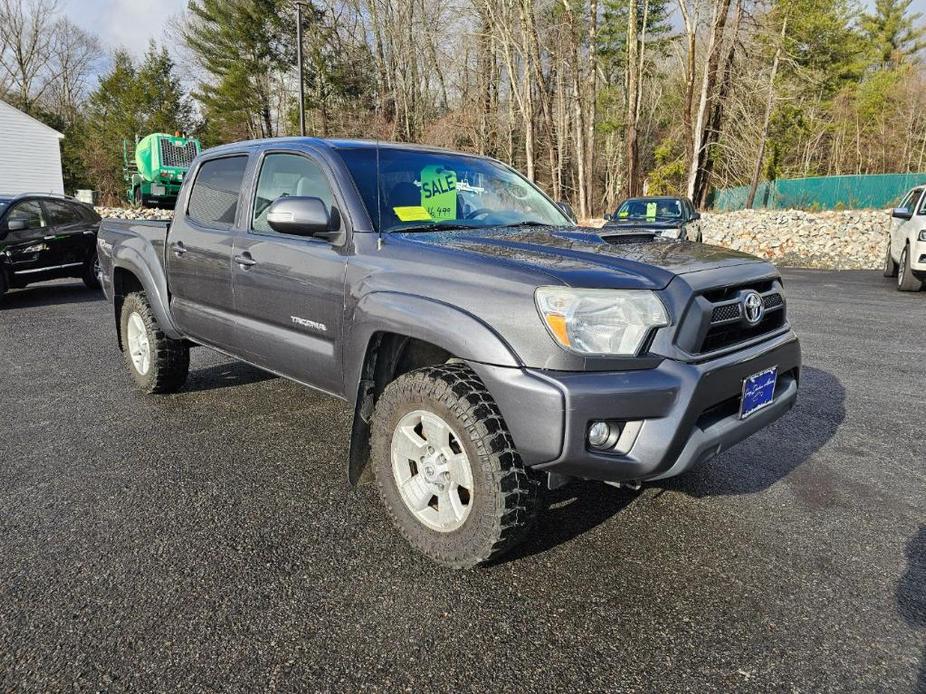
894, 33
130, 102
242, 45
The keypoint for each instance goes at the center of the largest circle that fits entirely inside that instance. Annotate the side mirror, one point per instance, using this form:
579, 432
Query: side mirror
567, 209
299, 216
608, 217
696, 216
16, 225
901, 213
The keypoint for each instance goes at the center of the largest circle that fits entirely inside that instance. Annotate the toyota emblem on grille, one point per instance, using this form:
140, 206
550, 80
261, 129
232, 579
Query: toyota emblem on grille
753, 307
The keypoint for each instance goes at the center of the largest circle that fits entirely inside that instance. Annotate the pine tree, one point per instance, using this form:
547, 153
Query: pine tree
895, 33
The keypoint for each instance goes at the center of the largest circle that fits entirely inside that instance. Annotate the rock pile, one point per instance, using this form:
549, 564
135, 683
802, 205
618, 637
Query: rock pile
840, 240
133, 213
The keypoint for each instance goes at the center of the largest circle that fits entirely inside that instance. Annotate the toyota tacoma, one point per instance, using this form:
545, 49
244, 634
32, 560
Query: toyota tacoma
490, 348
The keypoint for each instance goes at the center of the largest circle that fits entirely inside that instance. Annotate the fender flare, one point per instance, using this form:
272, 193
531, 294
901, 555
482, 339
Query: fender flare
139, 261
449, 327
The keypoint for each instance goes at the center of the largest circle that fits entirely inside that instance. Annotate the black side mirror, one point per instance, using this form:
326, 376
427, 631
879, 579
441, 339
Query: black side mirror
695, 216
608, 217
567, 209
299, 216
901, 213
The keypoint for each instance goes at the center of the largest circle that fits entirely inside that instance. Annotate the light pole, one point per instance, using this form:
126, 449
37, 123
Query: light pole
299, 68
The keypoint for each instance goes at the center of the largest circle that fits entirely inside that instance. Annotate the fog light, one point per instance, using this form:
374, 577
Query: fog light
599, 434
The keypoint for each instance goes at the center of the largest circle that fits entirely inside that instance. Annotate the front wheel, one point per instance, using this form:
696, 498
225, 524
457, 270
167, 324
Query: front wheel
906, 280
890, 267
157, 363
447, 469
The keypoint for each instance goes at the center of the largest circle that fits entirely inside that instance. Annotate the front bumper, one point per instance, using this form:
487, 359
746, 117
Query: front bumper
687, 412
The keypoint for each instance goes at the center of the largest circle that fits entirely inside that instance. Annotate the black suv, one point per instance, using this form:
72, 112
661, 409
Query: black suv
44, 237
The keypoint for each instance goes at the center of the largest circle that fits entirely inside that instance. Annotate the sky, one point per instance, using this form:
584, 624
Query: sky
128, 24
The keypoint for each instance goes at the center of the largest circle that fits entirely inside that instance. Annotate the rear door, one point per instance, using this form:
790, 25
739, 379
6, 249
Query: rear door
289, 290
69, 233
199, 251
22, 237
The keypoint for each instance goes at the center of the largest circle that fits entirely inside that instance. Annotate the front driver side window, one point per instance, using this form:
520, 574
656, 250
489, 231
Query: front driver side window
26, 215
282, 175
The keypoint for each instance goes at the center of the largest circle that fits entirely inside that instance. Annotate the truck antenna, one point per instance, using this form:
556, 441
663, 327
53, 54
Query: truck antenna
379, 205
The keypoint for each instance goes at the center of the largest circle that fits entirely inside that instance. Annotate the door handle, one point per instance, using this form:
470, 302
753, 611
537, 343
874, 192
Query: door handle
178, 248
245, 260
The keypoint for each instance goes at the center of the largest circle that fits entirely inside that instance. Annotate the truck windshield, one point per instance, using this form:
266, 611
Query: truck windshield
419, 190
652, 208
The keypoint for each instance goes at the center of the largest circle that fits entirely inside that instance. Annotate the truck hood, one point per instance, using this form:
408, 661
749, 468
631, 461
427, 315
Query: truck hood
582, 257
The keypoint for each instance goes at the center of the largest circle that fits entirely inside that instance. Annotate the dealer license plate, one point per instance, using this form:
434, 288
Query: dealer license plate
758, 391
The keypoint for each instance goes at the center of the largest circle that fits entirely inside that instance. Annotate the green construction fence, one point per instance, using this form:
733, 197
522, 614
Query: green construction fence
878, 191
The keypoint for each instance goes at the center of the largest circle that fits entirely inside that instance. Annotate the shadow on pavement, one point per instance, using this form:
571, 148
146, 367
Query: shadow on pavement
778, 451
49, 295
571, 511
911, 595
227, 375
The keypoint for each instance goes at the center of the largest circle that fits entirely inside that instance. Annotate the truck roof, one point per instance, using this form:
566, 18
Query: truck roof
337, 143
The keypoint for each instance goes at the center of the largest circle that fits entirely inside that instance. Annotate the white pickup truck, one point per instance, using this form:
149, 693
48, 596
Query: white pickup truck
905, 257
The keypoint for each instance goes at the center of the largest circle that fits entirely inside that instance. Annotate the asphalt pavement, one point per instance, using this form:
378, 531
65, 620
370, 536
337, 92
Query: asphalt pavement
208, 541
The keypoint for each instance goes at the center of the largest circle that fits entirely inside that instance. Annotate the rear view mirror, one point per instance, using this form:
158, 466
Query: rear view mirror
299, 216
901, 213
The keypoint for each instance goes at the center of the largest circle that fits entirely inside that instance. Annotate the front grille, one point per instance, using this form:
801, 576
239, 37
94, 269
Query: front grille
725, 313
720, 336
726, 326
172, 155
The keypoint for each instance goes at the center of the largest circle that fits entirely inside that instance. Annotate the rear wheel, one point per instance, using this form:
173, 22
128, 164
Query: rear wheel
906, 280
890, 267
447, 469
91, 276
138, 198
157, 363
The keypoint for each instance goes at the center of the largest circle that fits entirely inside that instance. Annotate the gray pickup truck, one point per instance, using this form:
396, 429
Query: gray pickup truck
489, 346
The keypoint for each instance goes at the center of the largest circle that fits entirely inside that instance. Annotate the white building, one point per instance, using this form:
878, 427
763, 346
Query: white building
30, 154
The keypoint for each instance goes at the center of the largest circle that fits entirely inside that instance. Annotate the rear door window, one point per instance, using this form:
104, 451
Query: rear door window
215, 193
61, 214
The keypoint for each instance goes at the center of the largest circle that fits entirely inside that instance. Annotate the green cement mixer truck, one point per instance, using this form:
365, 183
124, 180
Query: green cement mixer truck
155, 173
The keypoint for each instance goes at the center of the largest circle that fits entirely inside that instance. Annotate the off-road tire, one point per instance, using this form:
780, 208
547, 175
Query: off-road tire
170, 359
89, 276
137, 198
890, 267
506, 496
906, 280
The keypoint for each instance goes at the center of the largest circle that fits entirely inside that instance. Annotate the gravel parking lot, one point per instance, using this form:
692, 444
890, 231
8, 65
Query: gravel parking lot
208, 540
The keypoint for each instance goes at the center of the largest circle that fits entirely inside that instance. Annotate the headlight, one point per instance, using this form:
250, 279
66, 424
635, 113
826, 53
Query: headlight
600, 321
922, 236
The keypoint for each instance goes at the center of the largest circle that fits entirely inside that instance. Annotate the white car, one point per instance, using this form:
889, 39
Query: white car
905, 257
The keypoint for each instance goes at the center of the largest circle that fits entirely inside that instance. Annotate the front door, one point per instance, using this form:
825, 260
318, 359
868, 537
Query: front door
900, 227
289, 290
23, 240
199, 252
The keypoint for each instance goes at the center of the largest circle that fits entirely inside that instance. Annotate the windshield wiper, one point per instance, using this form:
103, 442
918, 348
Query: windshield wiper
445, 225
526, 223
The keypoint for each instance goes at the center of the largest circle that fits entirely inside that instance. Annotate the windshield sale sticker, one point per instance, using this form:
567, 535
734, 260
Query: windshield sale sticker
651, 210
412, 213
439, 192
